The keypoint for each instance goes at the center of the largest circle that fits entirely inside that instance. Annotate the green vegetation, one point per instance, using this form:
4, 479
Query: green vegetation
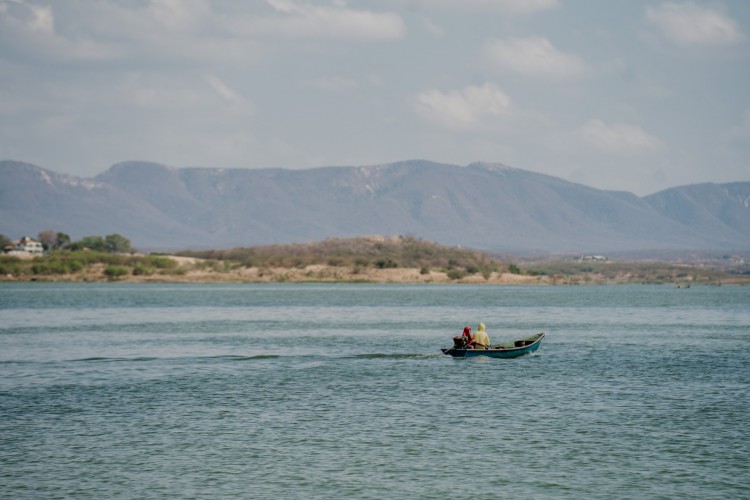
395, 259
10, 266
113, 243
87, 264
361, 253
456, 274
5, 241
55, 241
85, 257
116, 271
52, 240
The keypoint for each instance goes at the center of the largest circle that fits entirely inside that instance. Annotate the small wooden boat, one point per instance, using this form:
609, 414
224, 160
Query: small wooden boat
504, 350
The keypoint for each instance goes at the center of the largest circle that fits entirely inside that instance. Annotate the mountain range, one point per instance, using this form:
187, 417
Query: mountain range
481, 205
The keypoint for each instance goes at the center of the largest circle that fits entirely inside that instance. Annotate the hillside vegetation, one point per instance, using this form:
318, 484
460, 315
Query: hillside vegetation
361, 253
398, 259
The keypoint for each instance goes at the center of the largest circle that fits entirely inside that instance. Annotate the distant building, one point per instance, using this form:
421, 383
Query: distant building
25, 247
593, 258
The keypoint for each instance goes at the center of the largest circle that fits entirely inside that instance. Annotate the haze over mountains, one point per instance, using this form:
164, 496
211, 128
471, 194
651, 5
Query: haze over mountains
484, 206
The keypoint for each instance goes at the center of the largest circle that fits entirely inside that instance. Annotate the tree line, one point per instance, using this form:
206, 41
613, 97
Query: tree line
57, 241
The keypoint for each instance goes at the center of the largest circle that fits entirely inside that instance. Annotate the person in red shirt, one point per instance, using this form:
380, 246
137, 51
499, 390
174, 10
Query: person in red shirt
465, 340
468, 338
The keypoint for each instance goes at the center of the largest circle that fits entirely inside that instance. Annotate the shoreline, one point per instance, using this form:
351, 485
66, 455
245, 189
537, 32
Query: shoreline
188, 272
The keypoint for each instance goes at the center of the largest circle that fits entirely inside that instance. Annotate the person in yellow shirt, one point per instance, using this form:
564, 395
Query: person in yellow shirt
481, 339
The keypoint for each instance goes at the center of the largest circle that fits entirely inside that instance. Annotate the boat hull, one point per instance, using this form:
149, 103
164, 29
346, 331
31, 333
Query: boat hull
528, 345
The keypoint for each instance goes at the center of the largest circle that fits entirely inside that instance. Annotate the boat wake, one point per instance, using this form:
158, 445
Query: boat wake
257, 357
222, 358
394, 356
225, 357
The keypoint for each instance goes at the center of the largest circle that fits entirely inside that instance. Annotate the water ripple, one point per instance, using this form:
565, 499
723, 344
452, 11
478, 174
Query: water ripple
341, 391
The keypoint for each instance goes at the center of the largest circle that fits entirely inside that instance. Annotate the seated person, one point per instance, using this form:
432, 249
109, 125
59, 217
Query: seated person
467, 338
481, 339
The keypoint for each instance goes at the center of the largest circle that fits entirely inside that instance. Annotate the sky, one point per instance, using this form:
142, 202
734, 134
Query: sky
627, 95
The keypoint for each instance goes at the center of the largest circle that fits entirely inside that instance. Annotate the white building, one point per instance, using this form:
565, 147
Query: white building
27, 247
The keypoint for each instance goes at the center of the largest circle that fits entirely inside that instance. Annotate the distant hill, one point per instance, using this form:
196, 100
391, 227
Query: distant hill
33, 199
719, 212
483, 206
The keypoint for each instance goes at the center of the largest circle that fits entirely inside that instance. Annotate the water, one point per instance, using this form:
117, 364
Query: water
339, 391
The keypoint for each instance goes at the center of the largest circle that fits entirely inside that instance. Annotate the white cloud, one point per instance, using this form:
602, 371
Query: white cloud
28, 32
434, 28
177, 31
161, 98
36, 18
688, 24
238, 103
514, 7
534, 57
618, 138
463, 109
180, 15
177, 120
104, 32
297, 20
43, 20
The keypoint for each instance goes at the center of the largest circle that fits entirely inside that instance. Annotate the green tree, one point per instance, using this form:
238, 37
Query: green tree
62, 240
5, 241
91, 242
116, 243
48, 239
112, 243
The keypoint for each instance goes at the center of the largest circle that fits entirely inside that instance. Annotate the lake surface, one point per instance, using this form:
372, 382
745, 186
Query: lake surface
340, 391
